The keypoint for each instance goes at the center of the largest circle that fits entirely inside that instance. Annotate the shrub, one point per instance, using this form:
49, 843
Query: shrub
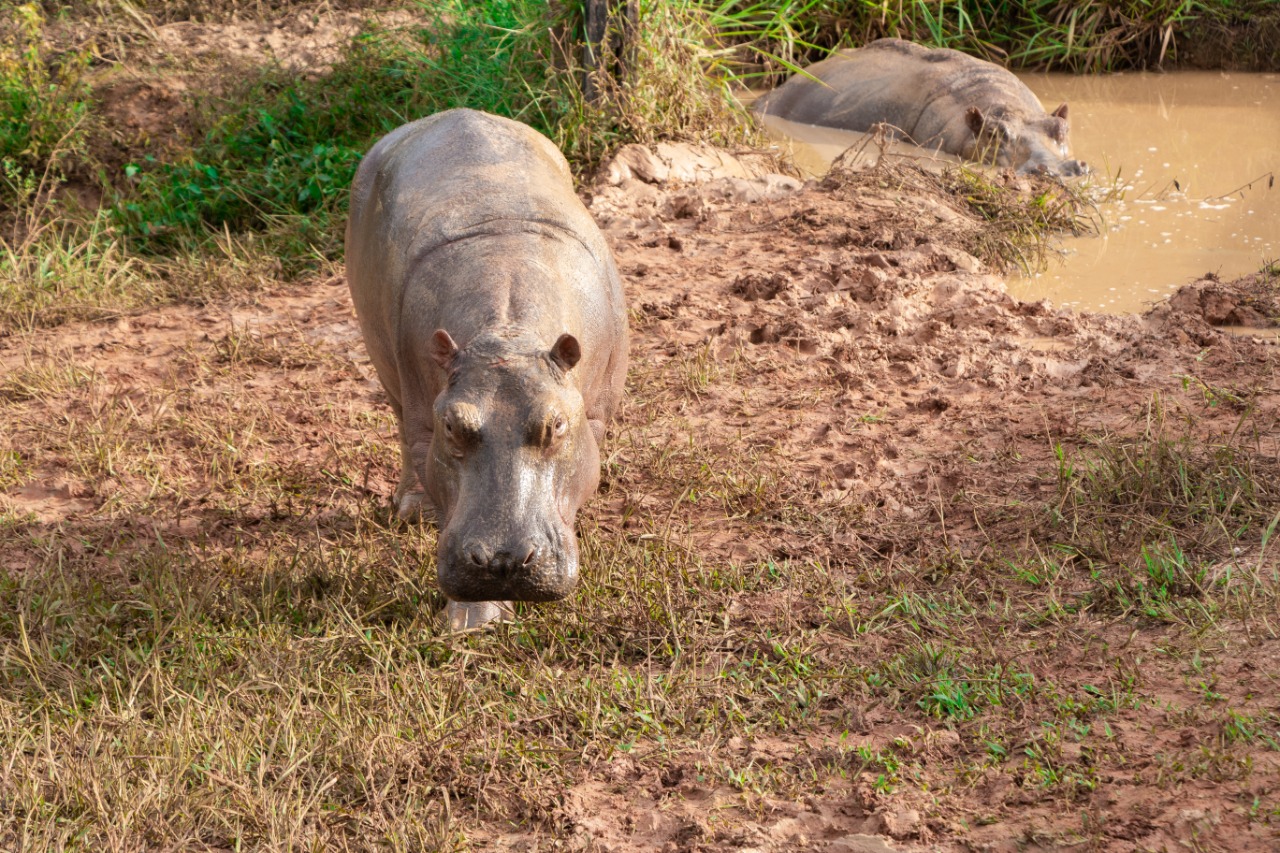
43, 103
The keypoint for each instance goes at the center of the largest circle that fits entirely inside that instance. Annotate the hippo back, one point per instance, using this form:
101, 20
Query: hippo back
937, 98
920, 91
443, 201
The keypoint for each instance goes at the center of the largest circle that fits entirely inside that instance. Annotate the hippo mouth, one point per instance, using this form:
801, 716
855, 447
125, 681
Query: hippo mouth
471, 572
470, 583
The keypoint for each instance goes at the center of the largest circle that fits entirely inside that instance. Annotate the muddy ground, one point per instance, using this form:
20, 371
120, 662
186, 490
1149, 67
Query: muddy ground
853, 380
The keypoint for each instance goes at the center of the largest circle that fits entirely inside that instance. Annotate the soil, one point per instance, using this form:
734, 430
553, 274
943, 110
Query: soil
1240, 45
869, 333
306, 40
149, 77
845, 335
1250, 303
303, 37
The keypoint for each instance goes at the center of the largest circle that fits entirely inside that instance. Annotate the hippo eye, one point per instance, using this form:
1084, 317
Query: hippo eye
547, 432
462, 426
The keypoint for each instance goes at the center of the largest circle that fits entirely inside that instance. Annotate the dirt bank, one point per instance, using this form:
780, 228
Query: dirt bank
884, 362
829, 384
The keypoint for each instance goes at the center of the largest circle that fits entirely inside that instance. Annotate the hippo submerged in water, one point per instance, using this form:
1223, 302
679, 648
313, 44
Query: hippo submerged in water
936, 98
493, 313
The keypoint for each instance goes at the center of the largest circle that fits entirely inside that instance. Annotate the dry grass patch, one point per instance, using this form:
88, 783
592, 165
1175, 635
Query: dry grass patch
214, 633
59, 268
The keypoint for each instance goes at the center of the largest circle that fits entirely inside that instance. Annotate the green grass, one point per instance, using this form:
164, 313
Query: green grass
43, 105
281, 153
1092, 36
294, 692
308, 697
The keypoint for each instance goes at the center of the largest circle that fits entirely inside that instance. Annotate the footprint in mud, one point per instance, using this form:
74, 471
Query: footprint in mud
755, 286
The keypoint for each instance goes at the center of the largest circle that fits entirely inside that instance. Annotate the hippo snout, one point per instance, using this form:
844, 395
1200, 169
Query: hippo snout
525, 569
506, 562
1061, 169
1073, 168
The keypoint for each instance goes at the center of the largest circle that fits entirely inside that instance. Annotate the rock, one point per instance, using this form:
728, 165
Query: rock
903, 823
635, 162
956, 368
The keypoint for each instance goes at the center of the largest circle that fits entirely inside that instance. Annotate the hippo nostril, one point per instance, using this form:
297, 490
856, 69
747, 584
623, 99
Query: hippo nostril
476, 555
533, 556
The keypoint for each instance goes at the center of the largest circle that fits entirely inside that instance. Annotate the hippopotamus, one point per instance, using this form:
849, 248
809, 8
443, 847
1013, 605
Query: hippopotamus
934, 97
492, 311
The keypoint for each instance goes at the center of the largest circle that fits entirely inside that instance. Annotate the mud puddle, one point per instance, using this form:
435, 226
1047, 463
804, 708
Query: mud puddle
1193, 153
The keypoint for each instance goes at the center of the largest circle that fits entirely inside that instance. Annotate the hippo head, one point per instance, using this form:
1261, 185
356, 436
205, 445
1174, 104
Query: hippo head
512, 459
1029, 145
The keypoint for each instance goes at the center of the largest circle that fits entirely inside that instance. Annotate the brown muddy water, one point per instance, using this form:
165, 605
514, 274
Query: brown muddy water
1192, 155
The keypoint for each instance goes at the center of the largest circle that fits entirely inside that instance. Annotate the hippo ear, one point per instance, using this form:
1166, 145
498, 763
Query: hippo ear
1060, 112
973, 118
443, 349
566, 352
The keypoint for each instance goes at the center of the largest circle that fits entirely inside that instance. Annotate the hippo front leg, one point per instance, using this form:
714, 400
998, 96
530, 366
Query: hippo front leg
410, 496
468, 615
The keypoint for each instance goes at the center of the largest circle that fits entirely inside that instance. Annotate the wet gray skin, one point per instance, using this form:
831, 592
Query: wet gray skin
513, 459
937, 98
493, 313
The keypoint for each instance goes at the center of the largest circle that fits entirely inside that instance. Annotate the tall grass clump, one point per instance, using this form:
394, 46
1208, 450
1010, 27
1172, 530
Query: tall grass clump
1119, 497
1092, 36
43, 104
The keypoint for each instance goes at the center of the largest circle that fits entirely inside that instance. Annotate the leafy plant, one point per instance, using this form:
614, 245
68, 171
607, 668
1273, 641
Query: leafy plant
43, 102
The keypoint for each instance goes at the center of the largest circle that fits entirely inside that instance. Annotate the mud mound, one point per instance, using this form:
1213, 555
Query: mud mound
1252, 301
682, 162
871, 330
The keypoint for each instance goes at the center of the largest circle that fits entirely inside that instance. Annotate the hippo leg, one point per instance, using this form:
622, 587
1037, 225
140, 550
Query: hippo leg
410, 497
467, 615
597, 429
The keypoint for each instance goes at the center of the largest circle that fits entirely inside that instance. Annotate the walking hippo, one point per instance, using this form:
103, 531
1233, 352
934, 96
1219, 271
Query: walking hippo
493, 313
936, 98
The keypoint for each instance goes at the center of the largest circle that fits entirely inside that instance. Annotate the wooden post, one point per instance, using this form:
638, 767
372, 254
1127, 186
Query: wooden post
625, 37
611, 27
597, 21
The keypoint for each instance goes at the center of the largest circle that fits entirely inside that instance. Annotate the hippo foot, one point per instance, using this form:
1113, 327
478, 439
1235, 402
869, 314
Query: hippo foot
410, 505
466, 616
